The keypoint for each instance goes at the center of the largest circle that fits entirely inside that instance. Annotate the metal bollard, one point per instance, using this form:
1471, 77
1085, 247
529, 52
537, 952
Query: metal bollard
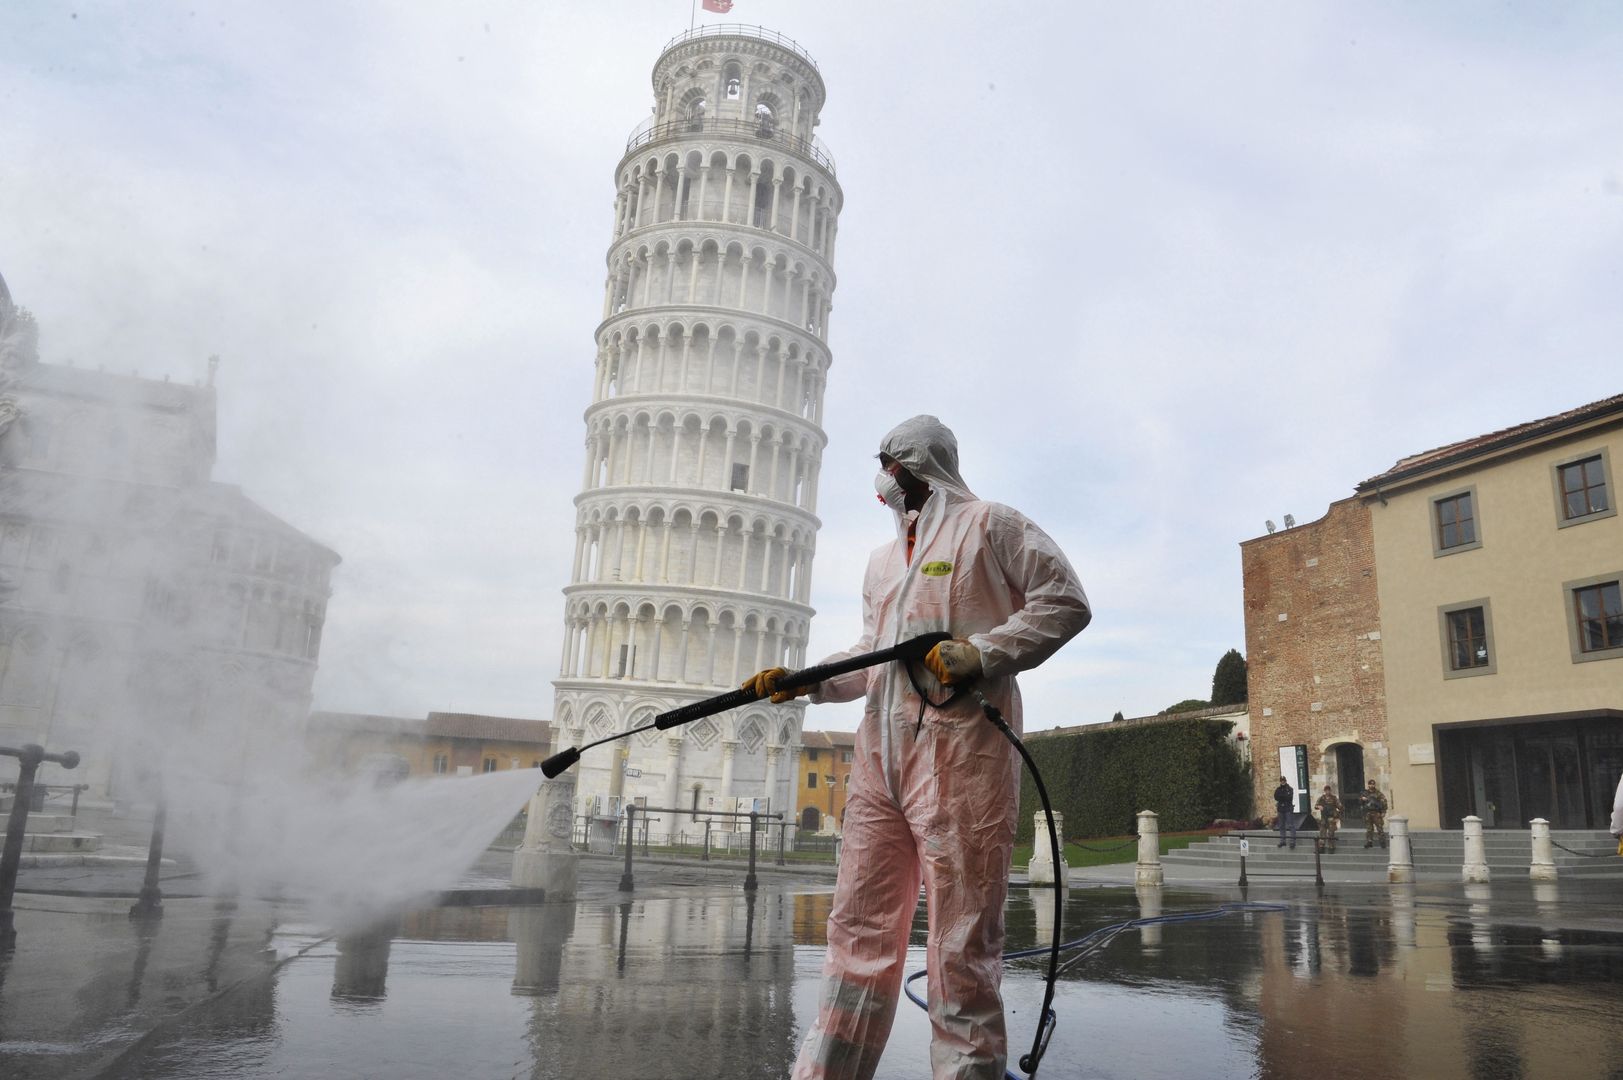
706, 856
626, 884
149, 904
783, 827
1148, 871
29, 758
1543, 864
1399, 860
1475, 868
749, 879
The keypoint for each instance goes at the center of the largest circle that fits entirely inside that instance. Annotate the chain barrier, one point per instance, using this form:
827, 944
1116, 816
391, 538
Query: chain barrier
1129, 842
1584, 854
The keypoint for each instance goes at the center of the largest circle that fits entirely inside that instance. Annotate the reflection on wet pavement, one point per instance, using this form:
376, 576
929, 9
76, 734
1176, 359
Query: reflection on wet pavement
1506, 980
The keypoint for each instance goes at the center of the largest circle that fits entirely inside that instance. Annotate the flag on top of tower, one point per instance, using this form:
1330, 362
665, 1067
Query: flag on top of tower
720, 7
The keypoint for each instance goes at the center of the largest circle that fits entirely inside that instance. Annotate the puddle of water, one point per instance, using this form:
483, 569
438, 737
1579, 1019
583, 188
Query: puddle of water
1357, 983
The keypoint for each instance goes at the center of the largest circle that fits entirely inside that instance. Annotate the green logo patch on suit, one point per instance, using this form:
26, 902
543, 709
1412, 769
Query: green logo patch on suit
936, 569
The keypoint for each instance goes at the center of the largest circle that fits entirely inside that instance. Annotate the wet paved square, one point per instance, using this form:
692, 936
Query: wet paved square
687, 977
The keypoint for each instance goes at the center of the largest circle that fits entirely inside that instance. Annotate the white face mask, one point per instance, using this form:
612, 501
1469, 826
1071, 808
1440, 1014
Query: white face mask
890, 491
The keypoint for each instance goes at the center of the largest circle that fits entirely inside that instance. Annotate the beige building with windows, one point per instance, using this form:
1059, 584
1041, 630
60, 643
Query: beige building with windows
1499, 566
825, 779
440, 744
1454, 630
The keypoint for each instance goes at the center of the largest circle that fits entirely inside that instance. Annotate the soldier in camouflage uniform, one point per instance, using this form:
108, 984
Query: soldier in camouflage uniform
1374, 815
1329, 808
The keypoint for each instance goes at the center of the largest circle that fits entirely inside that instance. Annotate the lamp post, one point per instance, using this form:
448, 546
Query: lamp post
29, 759
830, 780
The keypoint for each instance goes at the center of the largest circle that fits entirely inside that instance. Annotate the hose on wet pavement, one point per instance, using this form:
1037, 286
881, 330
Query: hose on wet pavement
1095, 941
1084, 946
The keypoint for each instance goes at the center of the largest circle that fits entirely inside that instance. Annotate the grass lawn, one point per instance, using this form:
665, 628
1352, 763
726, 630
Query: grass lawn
1127, 848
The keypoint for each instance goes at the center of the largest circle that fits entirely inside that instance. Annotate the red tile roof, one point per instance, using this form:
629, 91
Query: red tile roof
1466, 449
828, 740
490, 728
443, 725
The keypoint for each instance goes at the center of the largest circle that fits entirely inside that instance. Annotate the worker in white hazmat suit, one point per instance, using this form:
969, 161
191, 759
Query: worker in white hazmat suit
934, 791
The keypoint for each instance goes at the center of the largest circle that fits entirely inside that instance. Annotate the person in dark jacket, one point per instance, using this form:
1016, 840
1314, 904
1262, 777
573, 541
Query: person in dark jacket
1285, 803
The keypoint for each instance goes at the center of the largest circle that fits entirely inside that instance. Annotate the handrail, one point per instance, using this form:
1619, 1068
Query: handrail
647, 133
760, 33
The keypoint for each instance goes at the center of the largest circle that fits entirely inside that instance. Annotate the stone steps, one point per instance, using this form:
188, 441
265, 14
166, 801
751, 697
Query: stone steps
50, 823
1435, 853
57, 842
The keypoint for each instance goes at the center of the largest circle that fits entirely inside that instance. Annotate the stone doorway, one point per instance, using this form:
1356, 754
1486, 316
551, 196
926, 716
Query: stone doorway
1349, 779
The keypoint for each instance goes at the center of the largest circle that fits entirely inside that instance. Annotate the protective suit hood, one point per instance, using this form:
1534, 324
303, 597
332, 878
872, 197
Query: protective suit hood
929, 450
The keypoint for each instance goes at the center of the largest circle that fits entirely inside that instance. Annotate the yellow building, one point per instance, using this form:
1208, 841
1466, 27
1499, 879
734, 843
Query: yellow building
442, 744
824, 779
1498, 566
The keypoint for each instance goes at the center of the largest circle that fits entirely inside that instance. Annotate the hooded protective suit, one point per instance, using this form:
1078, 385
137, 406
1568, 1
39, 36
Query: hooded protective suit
936, 799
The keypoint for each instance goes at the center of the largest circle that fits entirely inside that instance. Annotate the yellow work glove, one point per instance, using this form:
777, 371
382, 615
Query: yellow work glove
764, 684
954, 662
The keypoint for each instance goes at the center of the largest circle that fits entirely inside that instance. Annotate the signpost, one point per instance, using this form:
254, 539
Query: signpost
1293, 767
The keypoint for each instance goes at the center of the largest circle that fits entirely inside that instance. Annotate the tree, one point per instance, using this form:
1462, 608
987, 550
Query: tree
1228, 681
1118, 718
1186, 705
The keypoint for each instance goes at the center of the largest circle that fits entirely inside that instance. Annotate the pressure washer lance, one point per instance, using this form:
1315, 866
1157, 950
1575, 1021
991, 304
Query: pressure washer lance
912, 649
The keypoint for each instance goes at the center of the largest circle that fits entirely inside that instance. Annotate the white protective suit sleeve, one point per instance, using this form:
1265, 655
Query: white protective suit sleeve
1055, 610
1617, 810
853, 684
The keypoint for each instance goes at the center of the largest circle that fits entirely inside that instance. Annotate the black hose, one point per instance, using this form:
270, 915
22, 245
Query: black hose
1047, 1020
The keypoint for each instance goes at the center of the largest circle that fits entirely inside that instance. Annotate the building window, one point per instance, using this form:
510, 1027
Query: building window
1468, 638
490, 764
442, 764
740, 478
1581, 489
845, 756
1454, 525
811, 780
1467, 633
1596, 623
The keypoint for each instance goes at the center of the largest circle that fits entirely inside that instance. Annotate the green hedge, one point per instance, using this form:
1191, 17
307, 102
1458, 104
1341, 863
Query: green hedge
1185, 770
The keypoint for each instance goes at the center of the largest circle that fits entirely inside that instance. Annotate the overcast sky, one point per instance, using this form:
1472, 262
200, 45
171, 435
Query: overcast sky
1168, 269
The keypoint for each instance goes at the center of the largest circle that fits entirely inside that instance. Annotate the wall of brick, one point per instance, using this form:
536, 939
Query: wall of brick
1313, 647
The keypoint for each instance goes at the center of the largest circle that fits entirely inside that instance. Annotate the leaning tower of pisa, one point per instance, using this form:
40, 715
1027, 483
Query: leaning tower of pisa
696, 521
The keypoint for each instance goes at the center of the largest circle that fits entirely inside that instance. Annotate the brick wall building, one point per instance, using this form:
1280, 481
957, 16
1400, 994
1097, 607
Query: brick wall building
1487, 648
1313, 652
